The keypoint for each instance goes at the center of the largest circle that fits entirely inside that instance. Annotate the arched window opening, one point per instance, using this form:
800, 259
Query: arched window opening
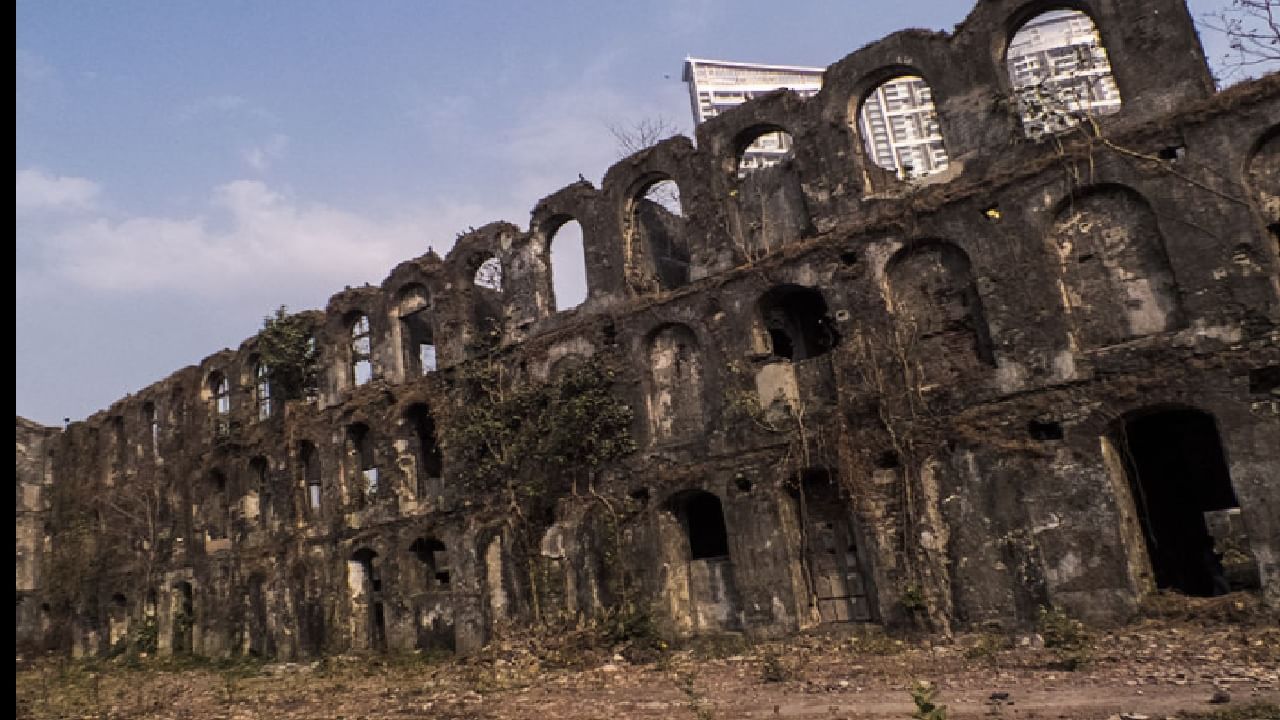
365, 567
220, 388
656, 234
900, 130
487, 307
1115, 273
434, 558
183, 618
1186, 505
675, 406
702, 519
361, 350
488, 274
568, 266
1060, 73
259, 470
416, 333
216, 510
1264, 180
310, 461
428, 457
763, 147
258, 640
795, 322
936, 304
365, 581
177, 409
360, 456
220, 393
262, 389
120, 445
152, 424
118, 620
310, 380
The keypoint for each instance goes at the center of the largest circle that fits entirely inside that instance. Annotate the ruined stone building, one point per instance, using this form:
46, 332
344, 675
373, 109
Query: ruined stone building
1048, 375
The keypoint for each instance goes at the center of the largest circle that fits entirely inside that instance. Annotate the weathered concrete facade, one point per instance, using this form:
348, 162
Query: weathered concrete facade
1047, 377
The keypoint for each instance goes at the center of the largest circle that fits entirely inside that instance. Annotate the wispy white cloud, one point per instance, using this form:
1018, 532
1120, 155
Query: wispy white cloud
249, 238
223, 105
34, 78
41, 192
261, 157
566, 133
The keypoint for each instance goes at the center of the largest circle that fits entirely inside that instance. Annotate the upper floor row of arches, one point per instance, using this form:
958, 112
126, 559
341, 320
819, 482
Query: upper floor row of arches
1102, 247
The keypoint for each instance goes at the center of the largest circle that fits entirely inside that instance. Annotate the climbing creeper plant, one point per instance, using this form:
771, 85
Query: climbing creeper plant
286, 347
527, 439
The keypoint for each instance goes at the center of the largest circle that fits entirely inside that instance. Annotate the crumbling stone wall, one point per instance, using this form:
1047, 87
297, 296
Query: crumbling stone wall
854, 398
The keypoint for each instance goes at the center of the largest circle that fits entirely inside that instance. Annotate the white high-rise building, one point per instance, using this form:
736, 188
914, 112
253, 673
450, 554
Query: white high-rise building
897, 120
899, 127
1060, 72
717, 85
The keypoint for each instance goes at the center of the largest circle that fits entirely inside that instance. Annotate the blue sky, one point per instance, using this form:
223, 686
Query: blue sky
184, 167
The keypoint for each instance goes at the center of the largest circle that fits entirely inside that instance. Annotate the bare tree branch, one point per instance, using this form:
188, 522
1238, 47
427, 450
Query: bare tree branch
642, 134
1252, 28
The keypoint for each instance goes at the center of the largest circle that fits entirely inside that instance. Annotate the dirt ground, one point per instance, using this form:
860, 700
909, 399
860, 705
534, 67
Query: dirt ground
1171, 664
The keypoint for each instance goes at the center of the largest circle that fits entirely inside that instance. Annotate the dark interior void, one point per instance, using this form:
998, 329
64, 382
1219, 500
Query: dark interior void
1265, 380
1177, 472
430, 460
797, 323
416, 332
703, 520
379, 637
366, 557
663, 234
433, 556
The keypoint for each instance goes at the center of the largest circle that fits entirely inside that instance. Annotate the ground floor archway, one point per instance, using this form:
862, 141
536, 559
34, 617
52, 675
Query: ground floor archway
1185, 503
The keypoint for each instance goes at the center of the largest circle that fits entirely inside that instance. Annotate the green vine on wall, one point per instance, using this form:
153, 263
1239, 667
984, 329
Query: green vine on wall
292, 358
527, 439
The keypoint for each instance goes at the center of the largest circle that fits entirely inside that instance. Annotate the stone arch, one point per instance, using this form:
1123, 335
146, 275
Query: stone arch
701, 585
151, 422
1263, 173
676, 380
428, 459
258, 641
363, 481
567, 260
312, 477
260, 489
760, 146
653, 227
182, 619
793, 323
359, 347
215, 505
433, 604
218, 389
1180, 489
1115, 276
899, 127
935, 303
117, 621
258, 378
488, 282
414, 322
1058, 68
368, 618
